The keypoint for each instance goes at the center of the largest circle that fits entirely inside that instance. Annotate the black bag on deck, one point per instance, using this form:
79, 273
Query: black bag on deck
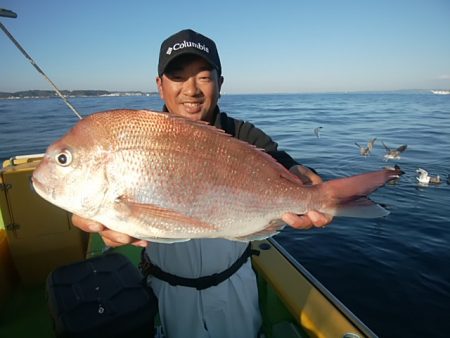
101, 297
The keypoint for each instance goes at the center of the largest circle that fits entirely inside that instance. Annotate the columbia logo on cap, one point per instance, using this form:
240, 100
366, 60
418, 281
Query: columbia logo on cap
186, 44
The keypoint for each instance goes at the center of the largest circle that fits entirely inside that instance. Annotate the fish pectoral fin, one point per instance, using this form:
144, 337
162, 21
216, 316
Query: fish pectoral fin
165, 215
272, 229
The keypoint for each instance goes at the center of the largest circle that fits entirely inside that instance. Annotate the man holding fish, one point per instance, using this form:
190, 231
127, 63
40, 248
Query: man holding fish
192, 195
189, 82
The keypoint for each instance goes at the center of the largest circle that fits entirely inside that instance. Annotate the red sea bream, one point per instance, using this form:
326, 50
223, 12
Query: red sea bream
159, 177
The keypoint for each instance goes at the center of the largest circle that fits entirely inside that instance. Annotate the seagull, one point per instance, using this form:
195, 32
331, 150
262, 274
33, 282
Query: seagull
317, 130
365, 151
424, 178
393, 154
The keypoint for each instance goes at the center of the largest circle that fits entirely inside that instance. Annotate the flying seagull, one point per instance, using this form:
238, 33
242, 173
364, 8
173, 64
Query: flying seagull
365, 151
392, 154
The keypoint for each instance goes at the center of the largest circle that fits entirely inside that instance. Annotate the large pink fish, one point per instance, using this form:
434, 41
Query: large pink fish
159, 177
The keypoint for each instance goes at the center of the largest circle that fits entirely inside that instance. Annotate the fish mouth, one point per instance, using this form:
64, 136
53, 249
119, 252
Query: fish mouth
39, 188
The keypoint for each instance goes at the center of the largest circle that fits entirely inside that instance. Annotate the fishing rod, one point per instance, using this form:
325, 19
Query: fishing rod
10, 14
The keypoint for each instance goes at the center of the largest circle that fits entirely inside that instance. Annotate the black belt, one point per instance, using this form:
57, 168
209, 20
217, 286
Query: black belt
201, 283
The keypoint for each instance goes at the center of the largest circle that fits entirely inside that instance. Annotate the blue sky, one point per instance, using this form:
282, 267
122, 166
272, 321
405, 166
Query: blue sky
284, 46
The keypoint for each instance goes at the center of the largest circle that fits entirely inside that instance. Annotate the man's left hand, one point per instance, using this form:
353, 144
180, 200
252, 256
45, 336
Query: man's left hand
312, 218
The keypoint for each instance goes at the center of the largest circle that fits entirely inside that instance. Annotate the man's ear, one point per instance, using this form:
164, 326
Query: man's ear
159, 86
220, 80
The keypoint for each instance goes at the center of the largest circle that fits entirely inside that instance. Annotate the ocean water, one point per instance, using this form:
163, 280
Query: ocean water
392, 272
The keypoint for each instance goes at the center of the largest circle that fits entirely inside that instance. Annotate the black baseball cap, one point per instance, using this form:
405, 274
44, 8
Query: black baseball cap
188, 41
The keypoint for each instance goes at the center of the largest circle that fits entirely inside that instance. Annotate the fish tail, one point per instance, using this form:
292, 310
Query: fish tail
348, 196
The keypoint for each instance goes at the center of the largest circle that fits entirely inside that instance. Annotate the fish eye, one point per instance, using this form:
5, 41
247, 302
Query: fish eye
64, 158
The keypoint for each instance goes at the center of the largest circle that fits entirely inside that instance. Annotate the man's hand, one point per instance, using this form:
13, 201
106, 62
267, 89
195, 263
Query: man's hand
110, 237
311, 218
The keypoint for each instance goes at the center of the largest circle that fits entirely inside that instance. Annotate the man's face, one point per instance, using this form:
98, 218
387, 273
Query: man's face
190, 87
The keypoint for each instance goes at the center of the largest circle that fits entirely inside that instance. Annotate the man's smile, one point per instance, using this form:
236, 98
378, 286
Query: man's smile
192, 107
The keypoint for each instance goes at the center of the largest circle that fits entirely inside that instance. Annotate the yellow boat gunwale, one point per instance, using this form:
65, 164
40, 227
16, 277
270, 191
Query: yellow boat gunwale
312, 305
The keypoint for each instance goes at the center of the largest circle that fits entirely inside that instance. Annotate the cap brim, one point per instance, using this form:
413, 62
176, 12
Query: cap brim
187, 52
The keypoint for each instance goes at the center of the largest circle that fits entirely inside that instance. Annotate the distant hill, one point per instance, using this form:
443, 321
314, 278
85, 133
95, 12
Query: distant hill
69, 93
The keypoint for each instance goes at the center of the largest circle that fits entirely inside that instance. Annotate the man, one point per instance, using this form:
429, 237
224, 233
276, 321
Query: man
191, 302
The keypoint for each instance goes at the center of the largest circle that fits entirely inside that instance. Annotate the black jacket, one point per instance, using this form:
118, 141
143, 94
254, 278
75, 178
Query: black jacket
246, 131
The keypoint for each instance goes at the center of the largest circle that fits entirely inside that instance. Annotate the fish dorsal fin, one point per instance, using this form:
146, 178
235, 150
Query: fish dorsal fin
163, 216
286, 174
242, 146
187, 121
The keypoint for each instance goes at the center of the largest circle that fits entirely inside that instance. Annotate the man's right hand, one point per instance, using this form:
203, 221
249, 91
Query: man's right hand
110, 237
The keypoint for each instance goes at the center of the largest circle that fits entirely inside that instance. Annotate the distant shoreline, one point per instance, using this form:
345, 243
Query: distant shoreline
47, 94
